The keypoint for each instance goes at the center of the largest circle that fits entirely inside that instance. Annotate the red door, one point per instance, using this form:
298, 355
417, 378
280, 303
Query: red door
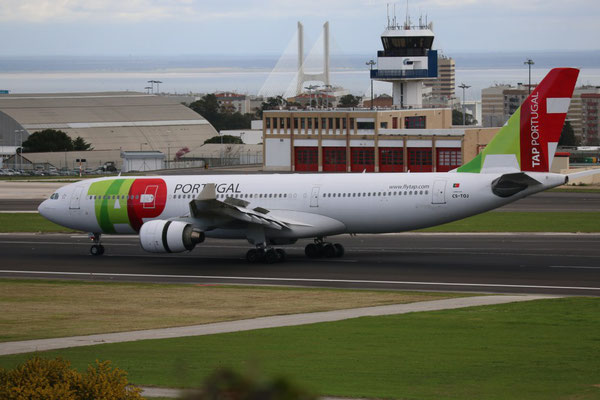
362, 158
419, 160
306, 159
391, 159
448, 159
334, 159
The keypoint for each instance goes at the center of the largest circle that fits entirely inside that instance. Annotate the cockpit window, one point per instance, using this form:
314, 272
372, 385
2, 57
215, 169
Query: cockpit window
54, 196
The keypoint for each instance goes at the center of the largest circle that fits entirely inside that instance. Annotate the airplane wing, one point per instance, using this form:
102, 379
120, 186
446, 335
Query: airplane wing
207, 206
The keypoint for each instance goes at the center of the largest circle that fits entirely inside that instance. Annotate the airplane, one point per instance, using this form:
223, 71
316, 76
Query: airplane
173, 214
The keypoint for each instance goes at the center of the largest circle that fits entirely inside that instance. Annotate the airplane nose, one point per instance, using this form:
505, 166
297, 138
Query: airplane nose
44, 209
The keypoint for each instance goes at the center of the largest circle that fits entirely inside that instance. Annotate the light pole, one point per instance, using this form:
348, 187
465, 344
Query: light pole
221, 148
20, 132
141, 144
151, 85
463, 87
370, 63
529, 63
310, 90
157, 87
328, 89
168, 148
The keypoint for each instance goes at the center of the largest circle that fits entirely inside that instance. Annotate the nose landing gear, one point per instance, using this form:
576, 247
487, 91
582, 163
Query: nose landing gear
97, 249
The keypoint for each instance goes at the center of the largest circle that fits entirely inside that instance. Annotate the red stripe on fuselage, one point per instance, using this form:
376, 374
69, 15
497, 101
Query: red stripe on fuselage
136, 210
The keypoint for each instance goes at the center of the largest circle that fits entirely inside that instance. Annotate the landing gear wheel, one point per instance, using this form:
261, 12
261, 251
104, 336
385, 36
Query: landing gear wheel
312, 250
282, 255
272, 256
97, 250
329, 250
339, 250
253, 255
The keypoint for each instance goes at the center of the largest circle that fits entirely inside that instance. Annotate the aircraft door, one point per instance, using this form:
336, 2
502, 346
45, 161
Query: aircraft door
148, 199
314, 197
439, 192
74, 204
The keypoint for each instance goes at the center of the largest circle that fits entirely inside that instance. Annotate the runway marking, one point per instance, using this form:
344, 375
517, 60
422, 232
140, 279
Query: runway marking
573, 267
382, 250
309, 280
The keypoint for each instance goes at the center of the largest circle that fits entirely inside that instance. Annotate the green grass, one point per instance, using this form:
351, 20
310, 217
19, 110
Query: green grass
487, 222
28, 222
36, 309
548, 349
524, 222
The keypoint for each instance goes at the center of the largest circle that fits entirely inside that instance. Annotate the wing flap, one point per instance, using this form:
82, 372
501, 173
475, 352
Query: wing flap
207, 205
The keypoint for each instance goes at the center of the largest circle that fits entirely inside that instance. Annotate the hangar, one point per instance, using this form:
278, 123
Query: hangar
122, 121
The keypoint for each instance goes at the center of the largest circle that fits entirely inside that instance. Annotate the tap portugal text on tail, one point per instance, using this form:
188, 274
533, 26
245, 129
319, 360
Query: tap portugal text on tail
176, 213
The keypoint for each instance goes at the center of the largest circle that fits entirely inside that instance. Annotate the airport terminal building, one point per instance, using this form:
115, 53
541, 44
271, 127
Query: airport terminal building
415, 140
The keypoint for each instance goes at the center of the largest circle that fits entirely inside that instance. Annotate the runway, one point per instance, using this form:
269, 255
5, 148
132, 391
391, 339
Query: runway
560, 264
546, 201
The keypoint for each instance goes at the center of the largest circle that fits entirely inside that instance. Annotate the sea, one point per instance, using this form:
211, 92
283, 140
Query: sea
198, 74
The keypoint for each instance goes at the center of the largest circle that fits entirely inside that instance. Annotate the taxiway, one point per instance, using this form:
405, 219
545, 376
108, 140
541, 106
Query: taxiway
565, 264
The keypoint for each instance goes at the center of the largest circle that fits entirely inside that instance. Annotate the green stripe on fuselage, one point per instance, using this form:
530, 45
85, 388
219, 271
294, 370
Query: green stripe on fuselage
111, 202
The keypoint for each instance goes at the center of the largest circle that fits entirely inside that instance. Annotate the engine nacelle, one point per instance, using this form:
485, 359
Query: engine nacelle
160, 236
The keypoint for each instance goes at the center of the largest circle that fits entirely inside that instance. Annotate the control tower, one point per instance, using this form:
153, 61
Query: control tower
406, 61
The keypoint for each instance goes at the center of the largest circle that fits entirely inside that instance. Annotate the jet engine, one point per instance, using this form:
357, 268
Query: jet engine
160, 236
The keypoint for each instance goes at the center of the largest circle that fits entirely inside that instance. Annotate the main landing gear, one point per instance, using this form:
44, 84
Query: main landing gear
97, 249
267, 254
320, 249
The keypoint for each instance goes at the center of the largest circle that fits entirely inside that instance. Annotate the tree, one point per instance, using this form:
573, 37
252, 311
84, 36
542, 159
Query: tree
81, 145
229, 384
39, 378
567, 137
272, 103
349, 101
48, 140
208, 107
457, 118
220, 117
226, 139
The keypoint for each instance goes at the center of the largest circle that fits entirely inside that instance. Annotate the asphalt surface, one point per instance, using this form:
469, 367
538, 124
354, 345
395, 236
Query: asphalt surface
556, 202
559, 264
19, 204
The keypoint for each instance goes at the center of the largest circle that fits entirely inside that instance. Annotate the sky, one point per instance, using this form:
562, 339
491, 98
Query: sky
252, 27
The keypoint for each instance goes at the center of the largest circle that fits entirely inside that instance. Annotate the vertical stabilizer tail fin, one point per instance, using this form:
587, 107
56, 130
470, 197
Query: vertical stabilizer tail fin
529, 139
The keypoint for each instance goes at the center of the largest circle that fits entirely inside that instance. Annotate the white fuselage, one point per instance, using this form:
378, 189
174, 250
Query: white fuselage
326, 204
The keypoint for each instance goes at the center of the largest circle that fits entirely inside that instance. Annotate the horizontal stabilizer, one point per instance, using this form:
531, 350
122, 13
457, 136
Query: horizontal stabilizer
581, 174
510, 184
